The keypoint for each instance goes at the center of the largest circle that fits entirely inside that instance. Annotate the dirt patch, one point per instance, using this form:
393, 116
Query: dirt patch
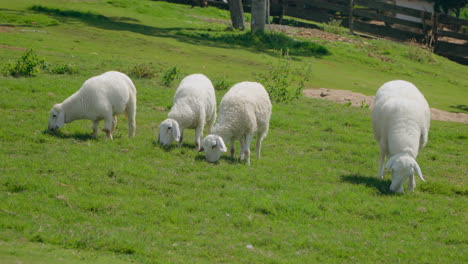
361, 100
11, 47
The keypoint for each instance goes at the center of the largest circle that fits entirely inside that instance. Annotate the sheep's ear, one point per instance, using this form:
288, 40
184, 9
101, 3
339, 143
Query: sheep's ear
61, 119
175, 131
418, 170
220, 143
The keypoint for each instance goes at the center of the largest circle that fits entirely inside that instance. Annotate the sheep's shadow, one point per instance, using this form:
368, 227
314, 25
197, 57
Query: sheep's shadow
77, 136
201, 158
382, 186
173, 146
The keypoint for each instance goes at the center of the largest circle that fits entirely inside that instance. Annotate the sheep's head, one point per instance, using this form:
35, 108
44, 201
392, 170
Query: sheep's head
56, 117
213, 146
403, 167
168, 132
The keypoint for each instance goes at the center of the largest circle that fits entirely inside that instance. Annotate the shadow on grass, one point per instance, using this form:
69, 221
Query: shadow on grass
265, 42
77, 136
201, 158
382, 186
462, 108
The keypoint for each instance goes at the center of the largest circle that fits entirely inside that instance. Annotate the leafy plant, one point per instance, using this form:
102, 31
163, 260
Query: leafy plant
282, 82
169, 76
63, 69
28, 65
221, 84
420, 55
144, 70
334, 26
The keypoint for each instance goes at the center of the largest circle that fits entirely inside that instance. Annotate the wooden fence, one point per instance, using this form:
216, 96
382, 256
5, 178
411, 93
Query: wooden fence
378, 17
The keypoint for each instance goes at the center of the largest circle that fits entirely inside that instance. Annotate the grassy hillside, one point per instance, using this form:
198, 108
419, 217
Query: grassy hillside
313, 197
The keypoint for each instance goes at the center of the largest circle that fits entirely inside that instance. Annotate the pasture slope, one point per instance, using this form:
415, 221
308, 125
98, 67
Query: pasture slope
313, 197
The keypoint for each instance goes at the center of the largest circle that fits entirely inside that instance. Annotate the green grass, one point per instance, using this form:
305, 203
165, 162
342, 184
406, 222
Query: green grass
313, 197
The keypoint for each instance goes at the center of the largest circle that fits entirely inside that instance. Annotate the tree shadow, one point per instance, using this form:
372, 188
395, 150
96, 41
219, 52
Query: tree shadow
463, 108
265, 42
77, 136
382, 186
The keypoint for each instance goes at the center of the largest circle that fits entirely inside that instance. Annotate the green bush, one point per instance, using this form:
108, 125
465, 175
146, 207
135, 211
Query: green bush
63, 69
282, 82
221, 84
169, 76
28, 65
145, 71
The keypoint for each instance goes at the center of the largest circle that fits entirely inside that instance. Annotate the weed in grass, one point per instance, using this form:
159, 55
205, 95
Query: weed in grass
63, 69
28, 65
334, 26
420, 55
221, 84
169, 76
144, 70
282, 81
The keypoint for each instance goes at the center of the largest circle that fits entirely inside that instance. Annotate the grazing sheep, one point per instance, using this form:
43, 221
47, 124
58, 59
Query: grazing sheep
401, 119
101, 97
244, 110
194, 107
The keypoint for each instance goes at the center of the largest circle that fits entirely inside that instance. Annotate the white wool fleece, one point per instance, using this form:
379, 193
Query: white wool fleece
101, 97
194, 107
401, 120
244, 111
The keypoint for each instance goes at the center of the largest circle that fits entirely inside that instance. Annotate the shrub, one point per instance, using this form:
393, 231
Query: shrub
281, 82
63, 69
334, 26
420, 55
169, 76
28, 65
221, 84
145, 71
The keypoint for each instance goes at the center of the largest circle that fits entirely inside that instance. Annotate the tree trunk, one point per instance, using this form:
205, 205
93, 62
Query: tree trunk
258, 15
237, 14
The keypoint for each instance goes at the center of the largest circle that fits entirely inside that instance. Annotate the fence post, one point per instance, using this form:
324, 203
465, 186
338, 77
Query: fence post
351, 18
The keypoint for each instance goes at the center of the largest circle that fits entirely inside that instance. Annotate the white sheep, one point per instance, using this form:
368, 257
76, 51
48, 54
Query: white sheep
194, 107
400, 119
244, 110
101, 97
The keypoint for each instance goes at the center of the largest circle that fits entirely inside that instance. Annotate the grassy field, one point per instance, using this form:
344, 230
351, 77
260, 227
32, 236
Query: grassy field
314, 197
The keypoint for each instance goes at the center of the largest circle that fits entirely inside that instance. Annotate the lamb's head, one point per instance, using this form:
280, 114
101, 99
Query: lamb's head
56, 117
403, 167
214, 146
168, 132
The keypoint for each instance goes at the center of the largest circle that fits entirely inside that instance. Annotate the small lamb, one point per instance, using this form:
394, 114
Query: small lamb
101, 97
194, 107
401, 120
244, 110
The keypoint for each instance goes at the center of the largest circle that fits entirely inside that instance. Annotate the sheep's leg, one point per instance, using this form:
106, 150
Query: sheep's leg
233, 148
131, 113
260, 137
248, 139
95, 128
108, 126
242, 146
411, 183
198, 136
381, 163
114, 123
181, 139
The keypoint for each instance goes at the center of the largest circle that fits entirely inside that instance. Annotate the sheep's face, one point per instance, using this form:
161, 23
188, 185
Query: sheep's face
403, 168
213, 146
56, 118
168, 132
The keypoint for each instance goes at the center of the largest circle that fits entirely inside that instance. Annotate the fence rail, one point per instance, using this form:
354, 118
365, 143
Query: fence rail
433, 28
